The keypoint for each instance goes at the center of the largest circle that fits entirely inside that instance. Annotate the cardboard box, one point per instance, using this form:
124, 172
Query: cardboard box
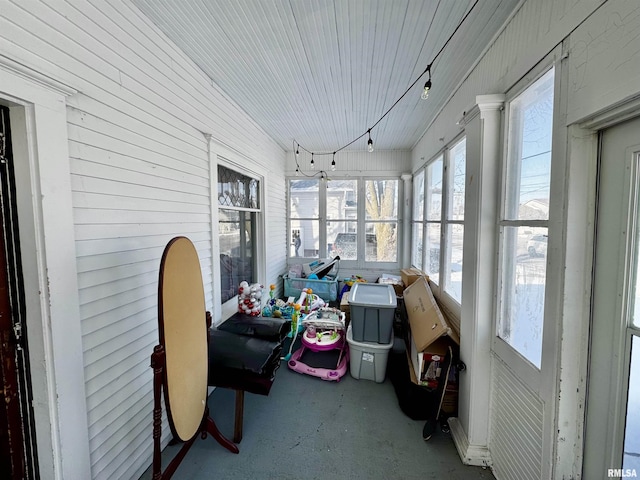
410, 275
396, 282
425, 318
430, 334
427, 365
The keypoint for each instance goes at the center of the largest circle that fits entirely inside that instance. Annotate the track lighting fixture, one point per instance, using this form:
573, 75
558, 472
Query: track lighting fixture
370, 142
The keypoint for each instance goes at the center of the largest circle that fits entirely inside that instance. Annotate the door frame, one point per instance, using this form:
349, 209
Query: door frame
606, 438
22, 448
40, 143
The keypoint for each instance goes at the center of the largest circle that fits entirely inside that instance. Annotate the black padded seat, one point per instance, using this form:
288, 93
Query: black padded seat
244, 355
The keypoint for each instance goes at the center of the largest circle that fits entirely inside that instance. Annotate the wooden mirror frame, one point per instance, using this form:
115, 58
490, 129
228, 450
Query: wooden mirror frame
180, 362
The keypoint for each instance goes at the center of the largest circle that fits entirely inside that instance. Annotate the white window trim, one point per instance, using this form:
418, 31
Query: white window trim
220, 155
448, 302
360, 263
522, 367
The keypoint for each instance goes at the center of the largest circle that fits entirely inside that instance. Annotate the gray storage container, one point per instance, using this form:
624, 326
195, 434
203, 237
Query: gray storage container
372, 308
368, 361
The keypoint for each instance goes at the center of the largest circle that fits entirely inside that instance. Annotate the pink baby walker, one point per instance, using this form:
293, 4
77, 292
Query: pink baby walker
324, 352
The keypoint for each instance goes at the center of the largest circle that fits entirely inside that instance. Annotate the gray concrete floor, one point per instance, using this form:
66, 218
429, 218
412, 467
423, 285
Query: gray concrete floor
308, 428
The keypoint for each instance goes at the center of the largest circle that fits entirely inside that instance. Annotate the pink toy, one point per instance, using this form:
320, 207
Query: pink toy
324, 332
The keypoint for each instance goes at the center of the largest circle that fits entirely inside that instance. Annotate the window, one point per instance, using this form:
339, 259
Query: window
304, 213
238, 208
356, 219
342, 219
524, 222
381, 225
433, 214
417, 229
454, 220
438, 220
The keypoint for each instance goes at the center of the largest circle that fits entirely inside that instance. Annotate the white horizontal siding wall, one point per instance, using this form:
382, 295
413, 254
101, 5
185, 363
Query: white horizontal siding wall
140, 175
352, 163
128, 203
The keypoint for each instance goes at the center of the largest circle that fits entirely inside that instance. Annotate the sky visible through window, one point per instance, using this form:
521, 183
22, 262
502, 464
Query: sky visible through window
537, 117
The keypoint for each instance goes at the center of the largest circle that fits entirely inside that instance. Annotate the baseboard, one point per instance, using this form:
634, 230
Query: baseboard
469, 454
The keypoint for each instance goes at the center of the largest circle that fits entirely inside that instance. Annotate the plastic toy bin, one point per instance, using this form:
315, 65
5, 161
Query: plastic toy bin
368, 361
326, 288
372, 308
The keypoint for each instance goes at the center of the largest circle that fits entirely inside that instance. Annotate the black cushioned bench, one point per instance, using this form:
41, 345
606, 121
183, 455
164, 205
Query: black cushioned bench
244, 355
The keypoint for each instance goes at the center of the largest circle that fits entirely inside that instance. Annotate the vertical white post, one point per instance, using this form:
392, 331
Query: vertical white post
470, 430
405, 255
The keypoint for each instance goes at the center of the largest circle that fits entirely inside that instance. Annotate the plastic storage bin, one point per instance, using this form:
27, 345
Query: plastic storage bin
326, 288
372, 308
368, 361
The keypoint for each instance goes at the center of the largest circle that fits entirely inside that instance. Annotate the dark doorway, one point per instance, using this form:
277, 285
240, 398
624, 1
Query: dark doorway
18, 458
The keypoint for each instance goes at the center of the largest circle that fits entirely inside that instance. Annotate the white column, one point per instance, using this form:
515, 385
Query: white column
470, 430
405, 254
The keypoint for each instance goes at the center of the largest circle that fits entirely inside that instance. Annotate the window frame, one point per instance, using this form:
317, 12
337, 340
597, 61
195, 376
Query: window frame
445, 222
228, 308
524, 368
361, 220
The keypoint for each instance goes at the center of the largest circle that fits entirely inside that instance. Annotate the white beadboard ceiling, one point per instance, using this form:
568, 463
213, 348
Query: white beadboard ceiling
322, 72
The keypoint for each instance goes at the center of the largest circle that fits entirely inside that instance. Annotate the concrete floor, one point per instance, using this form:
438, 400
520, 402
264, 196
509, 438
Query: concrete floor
308, 428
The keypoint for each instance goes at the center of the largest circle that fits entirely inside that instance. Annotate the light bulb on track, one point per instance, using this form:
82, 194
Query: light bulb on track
425, 92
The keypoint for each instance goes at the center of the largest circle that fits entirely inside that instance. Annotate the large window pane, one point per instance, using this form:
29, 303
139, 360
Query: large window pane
418, 196
434, 190
631, 458
453, 273
529, 150
432, 251
305, 238
342, 200
457, 166
635, 319
304, 207
523, 285
381, 236
342, 204
381, 242
303, 198
236, 230
382, 199
416, 245
342, 240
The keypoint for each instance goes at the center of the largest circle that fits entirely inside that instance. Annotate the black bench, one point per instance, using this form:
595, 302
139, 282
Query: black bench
244, 355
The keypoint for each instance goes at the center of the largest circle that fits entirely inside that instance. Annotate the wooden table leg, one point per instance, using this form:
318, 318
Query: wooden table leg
237, 431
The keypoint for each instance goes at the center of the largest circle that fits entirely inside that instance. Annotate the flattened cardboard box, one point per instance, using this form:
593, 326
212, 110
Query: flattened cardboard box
425, 318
